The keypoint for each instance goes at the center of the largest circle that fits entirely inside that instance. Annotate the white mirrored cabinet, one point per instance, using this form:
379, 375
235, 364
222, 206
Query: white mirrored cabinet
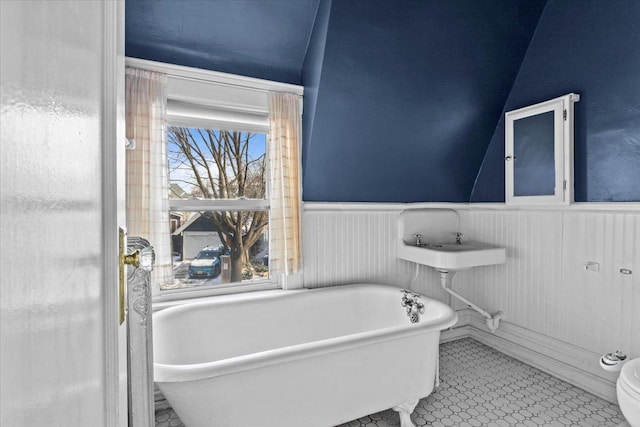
539, 153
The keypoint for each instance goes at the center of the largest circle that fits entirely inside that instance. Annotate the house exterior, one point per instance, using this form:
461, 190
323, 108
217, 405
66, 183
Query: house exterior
197, 232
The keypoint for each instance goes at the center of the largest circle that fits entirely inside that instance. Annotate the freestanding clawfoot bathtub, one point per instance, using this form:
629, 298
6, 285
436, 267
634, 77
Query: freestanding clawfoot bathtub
313, 358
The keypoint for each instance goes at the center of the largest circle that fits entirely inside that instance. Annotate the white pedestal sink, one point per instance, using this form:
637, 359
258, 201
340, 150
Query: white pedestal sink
428, 236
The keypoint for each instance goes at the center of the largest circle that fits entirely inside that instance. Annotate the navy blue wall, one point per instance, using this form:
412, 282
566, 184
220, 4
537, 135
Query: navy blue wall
312, 70
405, 100
409, 96
591, 48
265, 39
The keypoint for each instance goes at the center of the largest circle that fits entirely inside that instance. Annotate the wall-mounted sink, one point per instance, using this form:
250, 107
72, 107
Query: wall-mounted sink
453, 256
418, 232
438, 229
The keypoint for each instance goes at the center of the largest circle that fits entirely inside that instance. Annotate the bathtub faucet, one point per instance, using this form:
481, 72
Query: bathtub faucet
458, 238
413, 305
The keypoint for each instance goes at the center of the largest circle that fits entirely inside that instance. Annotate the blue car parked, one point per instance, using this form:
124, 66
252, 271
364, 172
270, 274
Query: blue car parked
207, 263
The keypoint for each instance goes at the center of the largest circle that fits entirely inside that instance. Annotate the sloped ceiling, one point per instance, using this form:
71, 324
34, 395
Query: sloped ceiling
409, 95
257, 38
593, 49
404, 96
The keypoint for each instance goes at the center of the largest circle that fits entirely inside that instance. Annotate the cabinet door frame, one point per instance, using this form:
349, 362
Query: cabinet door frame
563, 113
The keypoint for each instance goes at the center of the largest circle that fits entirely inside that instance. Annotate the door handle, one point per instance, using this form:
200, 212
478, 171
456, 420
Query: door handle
143, 258
124, 259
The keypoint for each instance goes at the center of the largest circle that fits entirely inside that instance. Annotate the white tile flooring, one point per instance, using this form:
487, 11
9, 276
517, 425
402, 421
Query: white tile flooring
483, 387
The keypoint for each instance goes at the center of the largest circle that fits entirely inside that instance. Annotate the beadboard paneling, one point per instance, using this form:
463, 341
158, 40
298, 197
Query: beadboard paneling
612, 241
342, 247
543, 286
534, 246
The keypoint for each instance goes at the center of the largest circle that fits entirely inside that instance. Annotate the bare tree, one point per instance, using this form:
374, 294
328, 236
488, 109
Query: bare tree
220, 166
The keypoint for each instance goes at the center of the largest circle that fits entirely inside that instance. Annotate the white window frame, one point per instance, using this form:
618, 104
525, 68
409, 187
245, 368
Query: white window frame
209, 99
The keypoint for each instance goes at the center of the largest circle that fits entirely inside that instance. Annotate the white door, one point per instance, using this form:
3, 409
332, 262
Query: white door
62, 351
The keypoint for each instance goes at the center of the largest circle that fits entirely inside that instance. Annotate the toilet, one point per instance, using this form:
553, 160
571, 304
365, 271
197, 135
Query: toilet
628, 391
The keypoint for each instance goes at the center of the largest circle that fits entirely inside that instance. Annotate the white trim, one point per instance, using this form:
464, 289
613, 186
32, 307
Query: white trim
365, 206
215, 77
455, 333
459, 330
371, 206
112, 129
219, 205
563, 151
560, 359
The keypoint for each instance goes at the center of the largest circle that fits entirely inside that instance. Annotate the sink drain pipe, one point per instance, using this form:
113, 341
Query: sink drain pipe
493, 321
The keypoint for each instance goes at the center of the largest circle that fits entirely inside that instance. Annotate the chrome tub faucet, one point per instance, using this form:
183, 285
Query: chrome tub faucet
414, 307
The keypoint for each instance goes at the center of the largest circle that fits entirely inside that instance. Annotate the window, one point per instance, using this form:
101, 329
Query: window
218, 196
225, 233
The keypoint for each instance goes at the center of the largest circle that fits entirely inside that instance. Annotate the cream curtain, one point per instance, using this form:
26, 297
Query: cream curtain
147, 180
285, 250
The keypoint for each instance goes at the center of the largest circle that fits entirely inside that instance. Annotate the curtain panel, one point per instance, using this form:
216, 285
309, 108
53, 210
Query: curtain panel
285, 248
147, 198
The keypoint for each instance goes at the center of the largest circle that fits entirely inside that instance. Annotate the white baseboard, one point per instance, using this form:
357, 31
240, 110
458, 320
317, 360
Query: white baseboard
459, 330
568, 362
456, 333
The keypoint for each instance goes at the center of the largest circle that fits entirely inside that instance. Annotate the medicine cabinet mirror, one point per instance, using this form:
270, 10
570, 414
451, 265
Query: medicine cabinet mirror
539, 153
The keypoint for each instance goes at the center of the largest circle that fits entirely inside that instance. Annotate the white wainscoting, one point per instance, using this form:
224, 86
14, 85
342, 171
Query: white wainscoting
558, 316
341, 247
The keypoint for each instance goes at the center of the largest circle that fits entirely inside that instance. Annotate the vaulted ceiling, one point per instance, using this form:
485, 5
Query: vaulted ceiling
401, 96
257, 38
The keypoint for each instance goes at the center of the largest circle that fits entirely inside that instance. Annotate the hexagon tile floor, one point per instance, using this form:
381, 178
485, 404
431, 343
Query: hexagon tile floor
482, 387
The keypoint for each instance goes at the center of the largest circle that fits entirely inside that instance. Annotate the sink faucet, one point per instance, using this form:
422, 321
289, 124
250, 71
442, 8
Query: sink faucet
418, 239
458, 238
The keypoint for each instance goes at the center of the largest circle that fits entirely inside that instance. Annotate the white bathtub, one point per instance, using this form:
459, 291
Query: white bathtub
297, 358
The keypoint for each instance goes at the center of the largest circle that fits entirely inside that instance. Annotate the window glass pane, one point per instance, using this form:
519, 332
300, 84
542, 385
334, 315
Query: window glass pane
216, 164
208, 251
533, 147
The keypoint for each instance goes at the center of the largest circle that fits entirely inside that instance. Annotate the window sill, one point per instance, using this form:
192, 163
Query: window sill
187, 295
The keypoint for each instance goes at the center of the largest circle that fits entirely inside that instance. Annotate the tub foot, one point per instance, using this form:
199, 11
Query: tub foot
405, 410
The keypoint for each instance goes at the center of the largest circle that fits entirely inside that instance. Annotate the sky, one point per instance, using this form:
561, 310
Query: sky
181, 173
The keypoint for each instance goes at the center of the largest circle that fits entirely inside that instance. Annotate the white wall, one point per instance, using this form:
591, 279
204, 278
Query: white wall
551, 303
358, 246
53, 356
565, 311
544, 286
